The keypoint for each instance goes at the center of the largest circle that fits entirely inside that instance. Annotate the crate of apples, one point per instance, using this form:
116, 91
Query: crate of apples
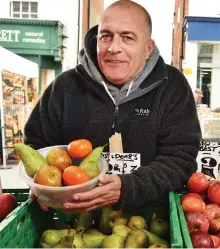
201, 206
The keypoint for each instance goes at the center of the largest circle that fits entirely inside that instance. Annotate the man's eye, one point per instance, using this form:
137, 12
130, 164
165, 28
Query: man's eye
105, 37
128, 38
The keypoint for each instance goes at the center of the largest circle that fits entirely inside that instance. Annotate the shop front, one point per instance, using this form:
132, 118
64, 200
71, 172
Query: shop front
38, 41
202, 57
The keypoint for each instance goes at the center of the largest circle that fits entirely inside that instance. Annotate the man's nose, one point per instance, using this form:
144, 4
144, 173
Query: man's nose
115, 45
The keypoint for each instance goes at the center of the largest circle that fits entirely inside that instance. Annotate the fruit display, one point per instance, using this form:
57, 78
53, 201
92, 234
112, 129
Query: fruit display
56, 168
114, 229
7, 204
202, 211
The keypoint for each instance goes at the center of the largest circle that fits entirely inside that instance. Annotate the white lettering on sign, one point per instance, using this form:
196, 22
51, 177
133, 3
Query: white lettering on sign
122, 163
9, 35
41, 34
33, 40
29, 37
208, 159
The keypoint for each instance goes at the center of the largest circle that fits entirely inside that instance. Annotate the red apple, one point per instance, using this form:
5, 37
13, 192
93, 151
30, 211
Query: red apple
213, 215
201, 240
192, 194
197, 221
197, 183
8, 203
215, 240
193, 203
49, 176
214, 192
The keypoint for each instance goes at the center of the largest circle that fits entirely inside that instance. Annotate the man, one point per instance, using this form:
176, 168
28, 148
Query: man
123, 86
198, 95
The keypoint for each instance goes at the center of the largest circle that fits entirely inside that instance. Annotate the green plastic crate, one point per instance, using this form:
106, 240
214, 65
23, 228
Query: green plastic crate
182, 221
21, 195
24, 226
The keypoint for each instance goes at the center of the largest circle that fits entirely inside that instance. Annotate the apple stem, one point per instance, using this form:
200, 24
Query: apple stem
0, 186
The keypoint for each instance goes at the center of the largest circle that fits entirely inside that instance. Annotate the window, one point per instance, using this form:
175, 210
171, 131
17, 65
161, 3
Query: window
24, 9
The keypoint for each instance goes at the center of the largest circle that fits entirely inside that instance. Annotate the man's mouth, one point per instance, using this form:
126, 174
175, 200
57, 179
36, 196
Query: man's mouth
114, 61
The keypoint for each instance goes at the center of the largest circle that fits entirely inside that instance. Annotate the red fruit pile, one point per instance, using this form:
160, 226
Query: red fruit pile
202, 211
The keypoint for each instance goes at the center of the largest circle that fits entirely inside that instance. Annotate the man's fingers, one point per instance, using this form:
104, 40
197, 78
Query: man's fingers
90, 195
43, 206
106, 179
32, 196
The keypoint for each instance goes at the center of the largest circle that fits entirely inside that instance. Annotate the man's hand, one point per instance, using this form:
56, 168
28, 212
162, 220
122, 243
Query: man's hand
107, 194
42, 205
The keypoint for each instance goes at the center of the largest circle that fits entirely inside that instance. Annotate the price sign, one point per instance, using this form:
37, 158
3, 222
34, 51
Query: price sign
122, 163
208, 159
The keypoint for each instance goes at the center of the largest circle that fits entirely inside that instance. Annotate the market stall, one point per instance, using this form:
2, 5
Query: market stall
18, 83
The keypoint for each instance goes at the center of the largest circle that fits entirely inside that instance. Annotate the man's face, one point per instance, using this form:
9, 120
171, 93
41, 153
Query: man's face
123, 44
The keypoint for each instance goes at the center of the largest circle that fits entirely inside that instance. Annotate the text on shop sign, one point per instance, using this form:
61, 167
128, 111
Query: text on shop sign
15, 36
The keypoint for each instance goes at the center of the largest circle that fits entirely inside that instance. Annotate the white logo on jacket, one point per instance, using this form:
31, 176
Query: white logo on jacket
142, 112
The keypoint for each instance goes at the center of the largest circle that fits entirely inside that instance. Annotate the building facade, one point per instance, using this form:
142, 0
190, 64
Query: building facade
196, 46
47, 32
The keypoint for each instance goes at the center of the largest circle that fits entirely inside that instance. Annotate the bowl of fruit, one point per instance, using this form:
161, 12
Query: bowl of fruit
55, 173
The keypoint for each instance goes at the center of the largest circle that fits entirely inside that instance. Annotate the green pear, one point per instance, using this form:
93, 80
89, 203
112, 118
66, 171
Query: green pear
136, 239
160, 227
45, 245
114, 215
83, 221
93, 240
113, 241
64, 232
154, 239
67, 240
121, 221
90, 163
58, 246
158, 245
104, 225
50, 238
78, 241
121, 230
31, 158
137, 222
93, 231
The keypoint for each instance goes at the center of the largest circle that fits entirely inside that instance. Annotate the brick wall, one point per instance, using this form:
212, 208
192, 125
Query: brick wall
180, 10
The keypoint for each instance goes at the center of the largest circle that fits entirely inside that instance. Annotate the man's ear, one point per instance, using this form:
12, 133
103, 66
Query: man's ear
150, 47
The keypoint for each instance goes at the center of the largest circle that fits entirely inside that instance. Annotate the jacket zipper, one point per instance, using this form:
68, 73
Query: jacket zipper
115, 116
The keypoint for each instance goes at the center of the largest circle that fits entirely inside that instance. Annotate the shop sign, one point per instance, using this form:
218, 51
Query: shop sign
24, 37
208, 159
122, 163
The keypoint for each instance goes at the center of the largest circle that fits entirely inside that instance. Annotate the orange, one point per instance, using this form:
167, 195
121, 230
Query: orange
79, 148
74, 175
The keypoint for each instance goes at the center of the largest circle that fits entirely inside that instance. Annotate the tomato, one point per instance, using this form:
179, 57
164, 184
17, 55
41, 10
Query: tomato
197, 183
74, 175
214, 192
79, 148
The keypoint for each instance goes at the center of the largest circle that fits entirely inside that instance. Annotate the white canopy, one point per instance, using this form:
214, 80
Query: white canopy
17, 64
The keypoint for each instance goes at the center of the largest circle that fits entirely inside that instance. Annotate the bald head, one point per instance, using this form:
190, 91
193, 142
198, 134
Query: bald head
130, 5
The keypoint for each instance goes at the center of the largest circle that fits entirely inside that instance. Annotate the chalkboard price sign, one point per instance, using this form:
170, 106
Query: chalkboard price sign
208, 159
